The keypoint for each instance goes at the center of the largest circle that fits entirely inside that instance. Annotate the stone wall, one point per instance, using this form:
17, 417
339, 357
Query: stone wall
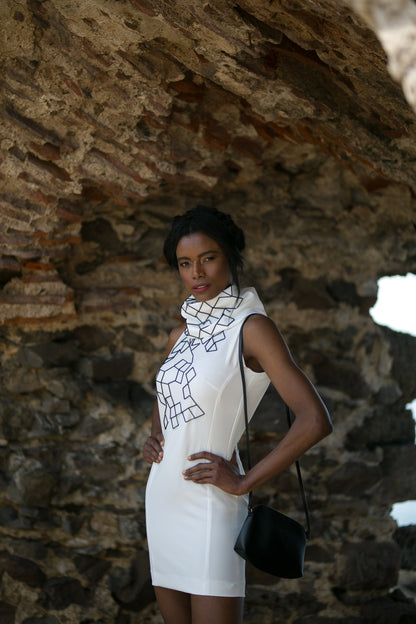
116, 116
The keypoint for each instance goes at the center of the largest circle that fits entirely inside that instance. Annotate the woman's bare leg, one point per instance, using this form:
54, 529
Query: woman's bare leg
175, 606
216, 610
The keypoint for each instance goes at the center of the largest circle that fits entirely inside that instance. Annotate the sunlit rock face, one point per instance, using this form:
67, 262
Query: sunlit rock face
293, 118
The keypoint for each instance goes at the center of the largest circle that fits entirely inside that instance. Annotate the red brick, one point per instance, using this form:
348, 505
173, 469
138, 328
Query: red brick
46, 241
185, 119
21, 299
20, 202
30, 124
41, 197
39, 266
101, 58
91, 120
212, 172
270, 131
249, 148
72, 214
215, 136
151, 147
117, 164
159, 123
188, 91
47, 150
17, 152
51, 168
27, 320
145, 6
140, 63
97, 73
103, 190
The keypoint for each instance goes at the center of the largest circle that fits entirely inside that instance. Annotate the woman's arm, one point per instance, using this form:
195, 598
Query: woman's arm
153, 447
265, 350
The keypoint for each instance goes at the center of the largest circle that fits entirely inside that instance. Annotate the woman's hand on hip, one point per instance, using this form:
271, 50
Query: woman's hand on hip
153, 448
217, 471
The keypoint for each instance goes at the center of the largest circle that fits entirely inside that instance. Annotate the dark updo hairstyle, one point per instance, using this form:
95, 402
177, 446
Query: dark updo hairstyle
215, 224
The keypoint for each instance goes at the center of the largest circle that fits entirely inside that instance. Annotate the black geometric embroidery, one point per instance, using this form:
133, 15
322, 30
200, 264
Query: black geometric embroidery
211, 343
172, 375
204, 327
210, 318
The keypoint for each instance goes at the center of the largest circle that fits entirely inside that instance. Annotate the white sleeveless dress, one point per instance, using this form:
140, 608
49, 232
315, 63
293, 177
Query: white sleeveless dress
192, 528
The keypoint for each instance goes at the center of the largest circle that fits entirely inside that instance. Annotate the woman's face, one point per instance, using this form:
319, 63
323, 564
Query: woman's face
203, 266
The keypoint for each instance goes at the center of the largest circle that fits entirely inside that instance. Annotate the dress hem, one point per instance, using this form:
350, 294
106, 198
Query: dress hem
188, 586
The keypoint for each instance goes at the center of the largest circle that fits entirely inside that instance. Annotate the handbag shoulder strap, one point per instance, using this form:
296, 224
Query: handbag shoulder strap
289, 421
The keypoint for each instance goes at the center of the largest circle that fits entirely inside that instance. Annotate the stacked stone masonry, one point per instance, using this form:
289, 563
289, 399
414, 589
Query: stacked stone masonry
115, 116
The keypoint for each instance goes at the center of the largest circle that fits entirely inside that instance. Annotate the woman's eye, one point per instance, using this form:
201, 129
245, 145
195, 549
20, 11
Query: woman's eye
208, 258
184, 264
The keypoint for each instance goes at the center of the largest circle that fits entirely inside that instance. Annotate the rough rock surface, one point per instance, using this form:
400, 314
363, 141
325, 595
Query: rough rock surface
292, 117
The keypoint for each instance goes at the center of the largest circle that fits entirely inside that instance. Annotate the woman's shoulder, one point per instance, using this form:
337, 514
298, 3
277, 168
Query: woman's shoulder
259, 329
261, 336
258, 322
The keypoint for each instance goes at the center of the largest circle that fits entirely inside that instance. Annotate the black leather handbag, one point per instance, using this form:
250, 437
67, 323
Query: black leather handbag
269, 540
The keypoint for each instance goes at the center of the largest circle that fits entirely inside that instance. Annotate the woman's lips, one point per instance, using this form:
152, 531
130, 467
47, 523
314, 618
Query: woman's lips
200, 288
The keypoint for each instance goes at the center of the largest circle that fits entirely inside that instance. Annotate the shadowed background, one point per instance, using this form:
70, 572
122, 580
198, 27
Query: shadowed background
297, 118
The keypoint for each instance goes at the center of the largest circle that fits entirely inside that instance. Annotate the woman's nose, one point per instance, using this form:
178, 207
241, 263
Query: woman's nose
197, 270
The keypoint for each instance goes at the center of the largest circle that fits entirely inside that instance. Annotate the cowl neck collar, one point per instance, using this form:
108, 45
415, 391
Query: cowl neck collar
207, 318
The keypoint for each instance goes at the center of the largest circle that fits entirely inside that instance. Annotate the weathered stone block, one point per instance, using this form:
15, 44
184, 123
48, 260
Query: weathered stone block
91, 337
50, 353
345, 292
32, 485
91, 567
133, 589
403, 352
100, 231
343, 375
116, 368
397, 462
370, 565
61, 592
395, 608
22, 569
8, 516
16, 419
405, 537
30, 549
386, 426
354, 478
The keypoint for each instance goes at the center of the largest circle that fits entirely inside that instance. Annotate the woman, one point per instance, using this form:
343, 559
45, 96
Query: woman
195, 497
